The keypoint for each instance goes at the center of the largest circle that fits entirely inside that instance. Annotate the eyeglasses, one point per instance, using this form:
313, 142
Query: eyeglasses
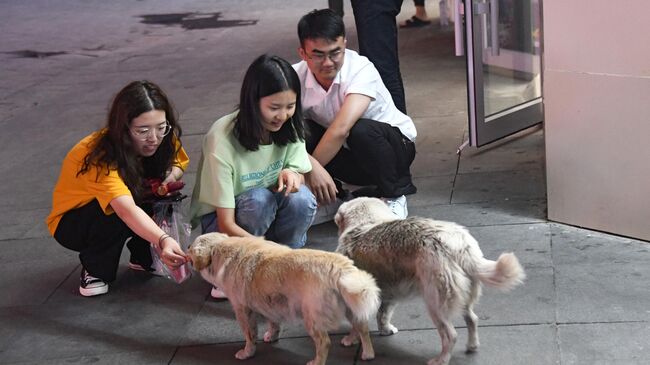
335, 56
144, 134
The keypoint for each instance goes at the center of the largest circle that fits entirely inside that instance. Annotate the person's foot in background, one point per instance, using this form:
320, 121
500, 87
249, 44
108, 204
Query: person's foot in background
420, 19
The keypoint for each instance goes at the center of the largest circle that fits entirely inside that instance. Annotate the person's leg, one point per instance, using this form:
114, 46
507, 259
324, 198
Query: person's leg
209, 223
343, 166
383, 153
337, 6
255, 210
98, 238
377, 34
294, 216
139, 247
313, 134
420, 10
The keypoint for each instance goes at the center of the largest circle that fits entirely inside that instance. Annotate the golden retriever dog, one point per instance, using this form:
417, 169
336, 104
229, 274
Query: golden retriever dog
283, 284
437, 260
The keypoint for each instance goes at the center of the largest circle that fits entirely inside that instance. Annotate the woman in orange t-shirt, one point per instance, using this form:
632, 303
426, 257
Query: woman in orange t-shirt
97, 203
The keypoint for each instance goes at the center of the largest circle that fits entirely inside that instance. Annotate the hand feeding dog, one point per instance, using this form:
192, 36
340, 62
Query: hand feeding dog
282, 284
437, 260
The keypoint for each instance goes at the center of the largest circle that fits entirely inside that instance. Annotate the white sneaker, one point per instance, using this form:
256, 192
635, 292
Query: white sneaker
217, 293
89, 286
326, 213
398, 206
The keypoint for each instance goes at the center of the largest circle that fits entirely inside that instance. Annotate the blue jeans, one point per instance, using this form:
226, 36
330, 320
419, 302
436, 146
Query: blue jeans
262, 212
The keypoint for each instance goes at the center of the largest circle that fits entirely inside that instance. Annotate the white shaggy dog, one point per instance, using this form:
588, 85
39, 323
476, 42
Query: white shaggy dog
438, 260
282, 284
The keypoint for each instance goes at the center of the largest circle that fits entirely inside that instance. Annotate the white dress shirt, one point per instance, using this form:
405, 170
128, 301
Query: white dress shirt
357, 76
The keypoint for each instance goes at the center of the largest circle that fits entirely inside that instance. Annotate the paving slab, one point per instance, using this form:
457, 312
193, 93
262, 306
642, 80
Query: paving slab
535, 344
520, 152
484, 213
572, 245
505, 185
287, 351
598, 292
436, 145
604, 343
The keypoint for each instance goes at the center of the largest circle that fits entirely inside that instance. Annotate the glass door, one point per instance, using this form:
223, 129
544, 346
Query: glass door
503, 50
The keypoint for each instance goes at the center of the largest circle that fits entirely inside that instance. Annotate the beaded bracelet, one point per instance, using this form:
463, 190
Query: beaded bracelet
162, 238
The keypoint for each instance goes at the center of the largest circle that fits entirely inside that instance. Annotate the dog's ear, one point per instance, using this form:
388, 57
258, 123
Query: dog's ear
338, 219
202, 249
200, 254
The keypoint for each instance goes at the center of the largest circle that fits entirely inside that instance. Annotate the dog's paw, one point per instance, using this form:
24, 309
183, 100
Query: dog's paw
367, 356
388, 330
271, 336
245, 353
349, 340
440, 360
471, 348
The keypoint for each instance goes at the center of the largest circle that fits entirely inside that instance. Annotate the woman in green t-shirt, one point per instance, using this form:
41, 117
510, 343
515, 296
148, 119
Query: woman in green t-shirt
250, 178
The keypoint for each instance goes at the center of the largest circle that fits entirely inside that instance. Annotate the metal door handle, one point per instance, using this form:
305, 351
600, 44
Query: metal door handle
494, 26
458, 27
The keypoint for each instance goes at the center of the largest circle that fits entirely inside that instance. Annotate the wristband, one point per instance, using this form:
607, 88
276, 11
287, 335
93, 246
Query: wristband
161, 239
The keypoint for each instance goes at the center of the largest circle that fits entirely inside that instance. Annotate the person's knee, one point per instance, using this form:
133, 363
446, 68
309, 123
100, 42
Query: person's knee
255, 210
294, 218
369, 138
209, 223
303, 200
363, 133
254, 198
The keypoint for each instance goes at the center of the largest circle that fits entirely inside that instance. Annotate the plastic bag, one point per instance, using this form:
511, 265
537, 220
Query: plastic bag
168, 215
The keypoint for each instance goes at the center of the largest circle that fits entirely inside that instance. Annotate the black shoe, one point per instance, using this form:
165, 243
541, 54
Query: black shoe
90, 286
138, 267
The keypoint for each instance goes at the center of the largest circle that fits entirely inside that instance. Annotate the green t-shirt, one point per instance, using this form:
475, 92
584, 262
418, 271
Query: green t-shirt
227, 169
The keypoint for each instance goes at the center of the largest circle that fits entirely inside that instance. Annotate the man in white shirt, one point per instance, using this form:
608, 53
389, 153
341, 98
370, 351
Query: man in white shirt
357, 135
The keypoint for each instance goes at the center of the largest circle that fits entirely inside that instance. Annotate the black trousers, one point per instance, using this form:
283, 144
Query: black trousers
377, 154
377, 33
99, 239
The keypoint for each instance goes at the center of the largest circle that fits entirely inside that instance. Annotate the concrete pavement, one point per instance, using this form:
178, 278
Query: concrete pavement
585, 300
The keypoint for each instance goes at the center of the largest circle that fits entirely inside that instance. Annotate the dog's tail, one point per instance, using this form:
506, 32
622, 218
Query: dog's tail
505, 273
360, 292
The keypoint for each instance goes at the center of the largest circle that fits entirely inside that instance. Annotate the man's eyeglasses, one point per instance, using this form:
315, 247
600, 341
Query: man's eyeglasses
335, 56
144, 134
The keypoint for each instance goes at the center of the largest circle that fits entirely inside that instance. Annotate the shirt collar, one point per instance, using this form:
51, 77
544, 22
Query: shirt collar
312, 83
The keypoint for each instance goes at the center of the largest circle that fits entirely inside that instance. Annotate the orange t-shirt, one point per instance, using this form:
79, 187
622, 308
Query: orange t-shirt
72, 191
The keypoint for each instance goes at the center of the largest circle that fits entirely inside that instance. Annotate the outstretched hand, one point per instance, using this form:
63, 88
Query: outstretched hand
289, 181
172, 254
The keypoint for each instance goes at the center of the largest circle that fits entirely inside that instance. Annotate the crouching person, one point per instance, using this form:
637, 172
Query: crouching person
97, 203
250, 180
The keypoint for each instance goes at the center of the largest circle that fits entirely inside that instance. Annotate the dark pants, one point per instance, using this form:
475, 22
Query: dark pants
377, 33
378, 155
337, 6
99, 239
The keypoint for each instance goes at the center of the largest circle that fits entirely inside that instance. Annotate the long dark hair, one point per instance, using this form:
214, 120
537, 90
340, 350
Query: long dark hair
267, 75
113, 147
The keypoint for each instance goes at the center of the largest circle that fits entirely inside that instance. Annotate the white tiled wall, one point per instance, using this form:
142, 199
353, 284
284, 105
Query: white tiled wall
597, 114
